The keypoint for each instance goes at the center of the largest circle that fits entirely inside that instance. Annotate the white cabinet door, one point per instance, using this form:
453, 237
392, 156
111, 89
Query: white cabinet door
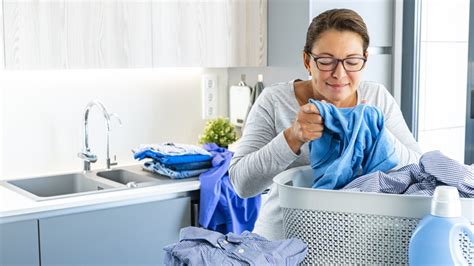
77, 34
220, 33
129, 235
19, 243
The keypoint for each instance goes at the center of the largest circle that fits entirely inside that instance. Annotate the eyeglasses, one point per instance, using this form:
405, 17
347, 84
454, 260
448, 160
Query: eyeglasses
350, 64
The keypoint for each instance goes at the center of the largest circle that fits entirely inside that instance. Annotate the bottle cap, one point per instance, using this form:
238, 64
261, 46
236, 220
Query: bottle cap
446, 202
260, 78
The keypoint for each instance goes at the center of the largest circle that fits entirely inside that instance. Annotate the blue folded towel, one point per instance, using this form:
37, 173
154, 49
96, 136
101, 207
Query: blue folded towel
170, 154
189, 166
156, 167
171, 149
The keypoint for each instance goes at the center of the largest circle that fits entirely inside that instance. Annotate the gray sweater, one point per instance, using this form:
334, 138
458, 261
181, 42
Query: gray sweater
262, 152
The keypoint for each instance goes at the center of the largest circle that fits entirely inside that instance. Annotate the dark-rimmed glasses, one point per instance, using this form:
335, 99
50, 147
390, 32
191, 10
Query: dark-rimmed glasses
350, 64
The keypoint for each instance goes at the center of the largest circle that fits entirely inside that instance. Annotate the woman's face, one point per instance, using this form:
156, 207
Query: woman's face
337, 86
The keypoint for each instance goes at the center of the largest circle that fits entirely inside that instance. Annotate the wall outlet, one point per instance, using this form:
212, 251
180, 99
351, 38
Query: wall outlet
209, 96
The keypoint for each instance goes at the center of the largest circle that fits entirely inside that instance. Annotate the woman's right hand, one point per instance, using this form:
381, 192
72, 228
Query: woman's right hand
308, 125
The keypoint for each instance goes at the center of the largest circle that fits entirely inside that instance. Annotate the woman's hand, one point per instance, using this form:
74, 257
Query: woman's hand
309, 125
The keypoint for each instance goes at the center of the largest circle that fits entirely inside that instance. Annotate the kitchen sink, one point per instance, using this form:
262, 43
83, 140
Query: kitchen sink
126, 177
58, 186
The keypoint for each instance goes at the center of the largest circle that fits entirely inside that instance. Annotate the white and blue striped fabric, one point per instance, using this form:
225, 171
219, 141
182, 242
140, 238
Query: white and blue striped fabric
434, 169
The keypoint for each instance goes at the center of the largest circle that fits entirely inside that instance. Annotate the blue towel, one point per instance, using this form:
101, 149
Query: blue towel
354, 143
189, 166
221, 209
172, 153
157, 167
171, 149
177, 159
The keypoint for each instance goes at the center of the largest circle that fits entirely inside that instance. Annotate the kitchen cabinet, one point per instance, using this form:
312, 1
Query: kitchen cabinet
226, 33
133, 234
77, 34
19, 243
134, 34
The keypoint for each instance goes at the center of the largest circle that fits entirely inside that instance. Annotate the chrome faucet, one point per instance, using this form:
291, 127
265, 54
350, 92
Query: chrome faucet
86, 153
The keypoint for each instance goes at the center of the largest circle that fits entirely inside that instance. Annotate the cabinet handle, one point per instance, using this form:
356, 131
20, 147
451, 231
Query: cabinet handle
194, 213
472, 104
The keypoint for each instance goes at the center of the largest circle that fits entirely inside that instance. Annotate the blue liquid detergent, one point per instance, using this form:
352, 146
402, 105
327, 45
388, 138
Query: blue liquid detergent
435, 240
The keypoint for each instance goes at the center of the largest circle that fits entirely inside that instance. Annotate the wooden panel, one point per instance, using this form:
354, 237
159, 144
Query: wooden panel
222, 33
77, 34
180, 32
131, 235
248, 42
106, 34
35, 34
19, 243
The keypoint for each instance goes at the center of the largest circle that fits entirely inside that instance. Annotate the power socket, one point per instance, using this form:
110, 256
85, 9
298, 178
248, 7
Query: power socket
209, 96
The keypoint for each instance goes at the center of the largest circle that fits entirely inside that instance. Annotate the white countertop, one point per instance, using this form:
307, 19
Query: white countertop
16, 207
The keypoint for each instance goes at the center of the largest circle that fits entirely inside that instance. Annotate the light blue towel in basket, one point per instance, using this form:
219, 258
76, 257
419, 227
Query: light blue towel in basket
354, 143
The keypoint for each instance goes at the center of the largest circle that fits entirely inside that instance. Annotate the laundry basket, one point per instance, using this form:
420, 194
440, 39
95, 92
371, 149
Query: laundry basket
342, 227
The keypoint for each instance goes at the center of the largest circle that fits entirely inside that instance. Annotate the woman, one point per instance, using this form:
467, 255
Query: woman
282, 122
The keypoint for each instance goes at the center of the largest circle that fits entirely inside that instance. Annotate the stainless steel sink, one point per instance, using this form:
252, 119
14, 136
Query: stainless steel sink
125, 177
59, 186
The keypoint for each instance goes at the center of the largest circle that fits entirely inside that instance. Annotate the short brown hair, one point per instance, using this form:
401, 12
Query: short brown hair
338, 19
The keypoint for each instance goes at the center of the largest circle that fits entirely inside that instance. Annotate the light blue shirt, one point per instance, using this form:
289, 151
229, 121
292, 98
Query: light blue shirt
198, 246
354, 143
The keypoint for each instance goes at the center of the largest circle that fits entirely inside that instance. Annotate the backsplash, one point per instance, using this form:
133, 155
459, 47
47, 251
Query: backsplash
41, 114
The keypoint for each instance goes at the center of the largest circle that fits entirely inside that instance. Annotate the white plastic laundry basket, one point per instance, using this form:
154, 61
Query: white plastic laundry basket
342, 227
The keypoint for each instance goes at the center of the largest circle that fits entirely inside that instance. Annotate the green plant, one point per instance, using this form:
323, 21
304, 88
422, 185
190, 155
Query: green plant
220, 131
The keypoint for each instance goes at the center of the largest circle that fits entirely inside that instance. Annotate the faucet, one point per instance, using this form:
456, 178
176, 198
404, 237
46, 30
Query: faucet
86, 153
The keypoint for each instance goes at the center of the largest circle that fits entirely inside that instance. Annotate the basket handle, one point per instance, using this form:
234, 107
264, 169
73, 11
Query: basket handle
455, 250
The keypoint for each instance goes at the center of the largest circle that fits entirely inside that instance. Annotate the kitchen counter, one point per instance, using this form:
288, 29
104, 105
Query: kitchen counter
16, 207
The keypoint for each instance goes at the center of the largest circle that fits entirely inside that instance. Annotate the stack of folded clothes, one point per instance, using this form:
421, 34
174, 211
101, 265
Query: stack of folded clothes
174, 160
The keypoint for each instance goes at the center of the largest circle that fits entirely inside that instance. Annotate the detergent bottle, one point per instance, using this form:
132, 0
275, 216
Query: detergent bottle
435, 241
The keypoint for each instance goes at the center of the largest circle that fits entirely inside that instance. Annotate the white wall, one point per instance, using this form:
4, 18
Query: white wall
41, 114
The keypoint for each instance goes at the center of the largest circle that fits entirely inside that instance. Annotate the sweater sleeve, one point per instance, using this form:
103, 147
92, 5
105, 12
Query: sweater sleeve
406, 147
261, 152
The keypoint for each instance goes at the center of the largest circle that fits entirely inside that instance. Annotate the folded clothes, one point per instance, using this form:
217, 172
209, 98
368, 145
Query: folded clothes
198, 246
157, 167
182, 159
171, 149
188, 166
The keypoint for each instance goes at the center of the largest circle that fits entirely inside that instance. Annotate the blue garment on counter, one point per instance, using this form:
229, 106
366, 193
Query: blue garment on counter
189, 166
157, 167
181, 159
178, 159
434, 169
199, 246
354, 143
170, 153
221, 209
172, 149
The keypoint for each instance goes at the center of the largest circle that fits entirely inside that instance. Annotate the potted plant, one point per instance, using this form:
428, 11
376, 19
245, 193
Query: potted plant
219, 131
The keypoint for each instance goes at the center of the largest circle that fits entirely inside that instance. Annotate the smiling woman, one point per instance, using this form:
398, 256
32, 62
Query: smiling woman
282, 122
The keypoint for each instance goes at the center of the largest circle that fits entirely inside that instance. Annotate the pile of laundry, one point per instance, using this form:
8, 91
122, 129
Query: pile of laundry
174, 160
